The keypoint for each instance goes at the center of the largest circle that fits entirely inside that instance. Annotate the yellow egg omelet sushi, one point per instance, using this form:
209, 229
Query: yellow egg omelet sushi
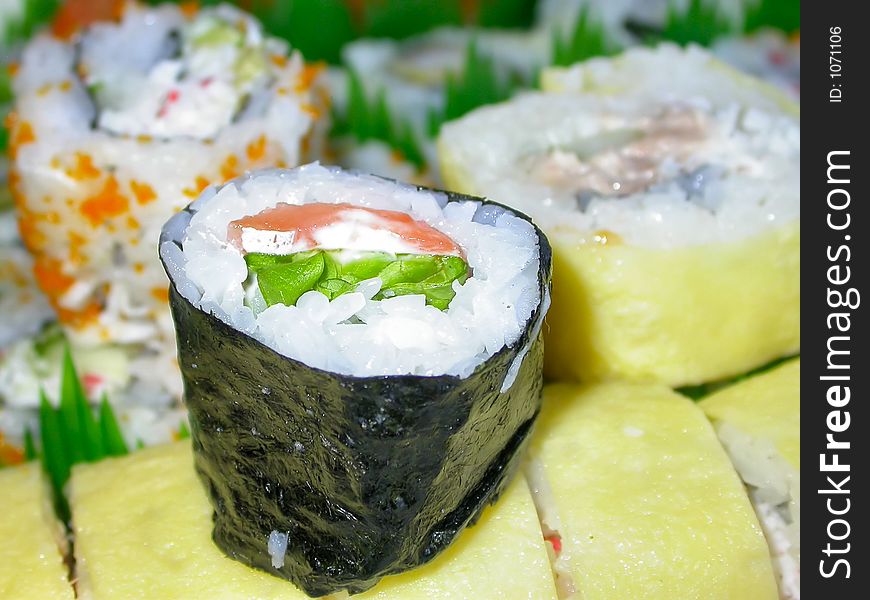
668, 185
639, 500
142, 526
31, 562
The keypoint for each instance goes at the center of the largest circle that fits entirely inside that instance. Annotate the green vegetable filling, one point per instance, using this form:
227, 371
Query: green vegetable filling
283, 279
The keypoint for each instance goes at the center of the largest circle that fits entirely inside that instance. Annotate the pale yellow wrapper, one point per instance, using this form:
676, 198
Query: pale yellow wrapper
31, 564
648, 504
143, 530
678, 316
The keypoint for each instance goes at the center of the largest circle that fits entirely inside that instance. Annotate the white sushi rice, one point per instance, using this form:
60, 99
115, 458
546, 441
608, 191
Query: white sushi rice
667, 165
354, 334
101, 197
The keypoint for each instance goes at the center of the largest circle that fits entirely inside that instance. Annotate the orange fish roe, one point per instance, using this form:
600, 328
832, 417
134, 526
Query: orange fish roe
84, 168
199, 184
12, 69
10, 120
9, 454
14, 180
25, 134
161, 294
107, 203
307, 76
279, 60
34, 239
80, 318
132, 223
139, 267
143, 192
76, 242
22, 134
50, 276
311, 110
324, 97
230, 168
257, 149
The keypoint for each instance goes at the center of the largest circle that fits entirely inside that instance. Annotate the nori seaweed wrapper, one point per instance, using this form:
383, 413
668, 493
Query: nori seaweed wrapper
368, 476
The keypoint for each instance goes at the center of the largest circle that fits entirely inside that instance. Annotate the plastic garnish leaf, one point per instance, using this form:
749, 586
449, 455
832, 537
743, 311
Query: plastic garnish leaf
587, 39
113, 441
779, 14
371, 118
477, 85
701, 23
30, 452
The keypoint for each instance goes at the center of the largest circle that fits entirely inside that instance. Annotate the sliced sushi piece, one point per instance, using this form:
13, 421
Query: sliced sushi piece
143, 527
758, 422
640, 501
120, 124
34, 542
362, 364
668, 185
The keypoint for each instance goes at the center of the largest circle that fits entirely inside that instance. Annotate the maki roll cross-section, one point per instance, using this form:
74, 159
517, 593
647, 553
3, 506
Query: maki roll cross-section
121, 122
362, 363
668, 186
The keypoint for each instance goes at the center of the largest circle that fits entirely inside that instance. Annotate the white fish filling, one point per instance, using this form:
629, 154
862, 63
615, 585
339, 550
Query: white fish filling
358, 230
665, 148
354, 334
659, 175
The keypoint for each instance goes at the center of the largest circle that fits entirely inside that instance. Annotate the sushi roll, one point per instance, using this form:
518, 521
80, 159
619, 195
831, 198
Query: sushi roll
32, 555
362, 363
120, 124
669, 186
639, 500
758, 422
117, 520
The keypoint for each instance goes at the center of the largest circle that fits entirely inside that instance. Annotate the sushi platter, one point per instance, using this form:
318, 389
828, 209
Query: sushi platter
400, 299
